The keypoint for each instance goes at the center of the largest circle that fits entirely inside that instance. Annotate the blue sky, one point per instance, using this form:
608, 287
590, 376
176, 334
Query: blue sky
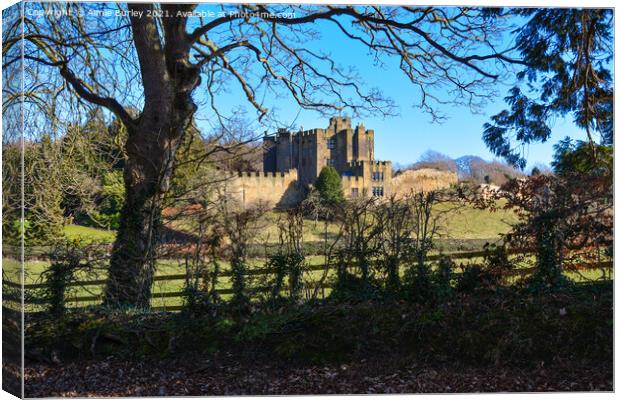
403, 138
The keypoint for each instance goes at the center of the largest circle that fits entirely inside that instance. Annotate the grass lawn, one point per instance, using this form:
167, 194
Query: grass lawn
33, 270
89, 234
466, 225
471, 223
463, 224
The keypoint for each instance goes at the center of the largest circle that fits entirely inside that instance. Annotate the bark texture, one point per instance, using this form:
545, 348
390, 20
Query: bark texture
168, 79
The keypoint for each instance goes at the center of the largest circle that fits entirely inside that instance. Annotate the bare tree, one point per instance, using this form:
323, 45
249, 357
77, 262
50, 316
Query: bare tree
428, 211
396, 225
241, 226
436, 160
152, 58
359, 233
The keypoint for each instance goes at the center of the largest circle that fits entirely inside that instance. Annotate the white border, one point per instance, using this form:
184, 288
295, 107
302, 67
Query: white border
523, 3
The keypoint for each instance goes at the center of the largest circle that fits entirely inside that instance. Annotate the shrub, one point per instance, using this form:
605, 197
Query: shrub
196, 297
510, 327
425, 285
286, 265
352, 288
67, 259
493, 273
557, 214
108, 212
443, 276
471, 278
329, 185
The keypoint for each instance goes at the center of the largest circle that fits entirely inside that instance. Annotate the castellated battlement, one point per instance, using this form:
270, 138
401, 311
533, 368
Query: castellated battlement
278, 189
311, 132
268, 175
339, 123
293, 159
382, 164
286, 134
369, 162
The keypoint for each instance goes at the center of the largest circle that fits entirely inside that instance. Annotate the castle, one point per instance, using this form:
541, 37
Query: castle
293, 161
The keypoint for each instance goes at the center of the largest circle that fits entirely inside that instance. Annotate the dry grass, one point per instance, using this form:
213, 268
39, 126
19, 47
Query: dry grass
424, 179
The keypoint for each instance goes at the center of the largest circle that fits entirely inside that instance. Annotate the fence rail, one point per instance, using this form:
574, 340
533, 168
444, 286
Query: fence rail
522, 272
256, 271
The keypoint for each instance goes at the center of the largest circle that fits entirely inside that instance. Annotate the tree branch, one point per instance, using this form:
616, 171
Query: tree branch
85, 93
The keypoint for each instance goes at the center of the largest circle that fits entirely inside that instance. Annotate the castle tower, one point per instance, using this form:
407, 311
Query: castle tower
349, 150
284, 151
364, 144
269, 153
337, 124
370, 142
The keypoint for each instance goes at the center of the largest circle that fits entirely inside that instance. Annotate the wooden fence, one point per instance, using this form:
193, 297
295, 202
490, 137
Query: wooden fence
265, 271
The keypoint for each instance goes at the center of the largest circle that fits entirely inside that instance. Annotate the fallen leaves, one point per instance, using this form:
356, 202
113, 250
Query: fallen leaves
180, 377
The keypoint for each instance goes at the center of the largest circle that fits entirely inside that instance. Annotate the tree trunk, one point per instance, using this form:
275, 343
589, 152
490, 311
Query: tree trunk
392, 272
151, 151
168, 80
147, 174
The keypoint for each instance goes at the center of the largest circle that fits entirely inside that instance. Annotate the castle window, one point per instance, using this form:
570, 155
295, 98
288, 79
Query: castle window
377, 191
331, 162
355, 192
377, 176
331, 143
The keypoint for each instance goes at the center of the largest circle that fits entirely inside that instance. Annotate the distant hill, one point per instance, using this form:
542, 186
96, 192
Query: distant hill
467, 168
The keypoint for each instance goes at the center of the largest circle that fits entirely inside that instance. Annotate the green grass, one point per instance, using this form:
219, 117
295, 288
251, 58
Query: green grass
89, 234
471, 223
33, 270
33, 274
464, 225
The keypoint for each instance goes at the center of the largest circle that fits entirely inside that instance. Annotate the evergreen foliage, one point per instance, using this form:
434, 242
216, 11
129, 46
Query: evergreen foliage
329, 186
108, 213
567, 59
575, 157
42, 194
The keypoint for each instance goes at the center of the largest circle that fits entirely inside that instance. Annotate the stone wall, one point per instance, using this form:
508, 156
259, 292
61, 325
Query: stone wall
279, 189
282, 189
360, 175
354, 183
349, 150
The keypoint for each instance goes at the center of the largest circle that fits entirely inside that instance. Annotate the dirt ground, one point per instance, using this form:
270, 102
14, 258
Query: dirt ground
226, 376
